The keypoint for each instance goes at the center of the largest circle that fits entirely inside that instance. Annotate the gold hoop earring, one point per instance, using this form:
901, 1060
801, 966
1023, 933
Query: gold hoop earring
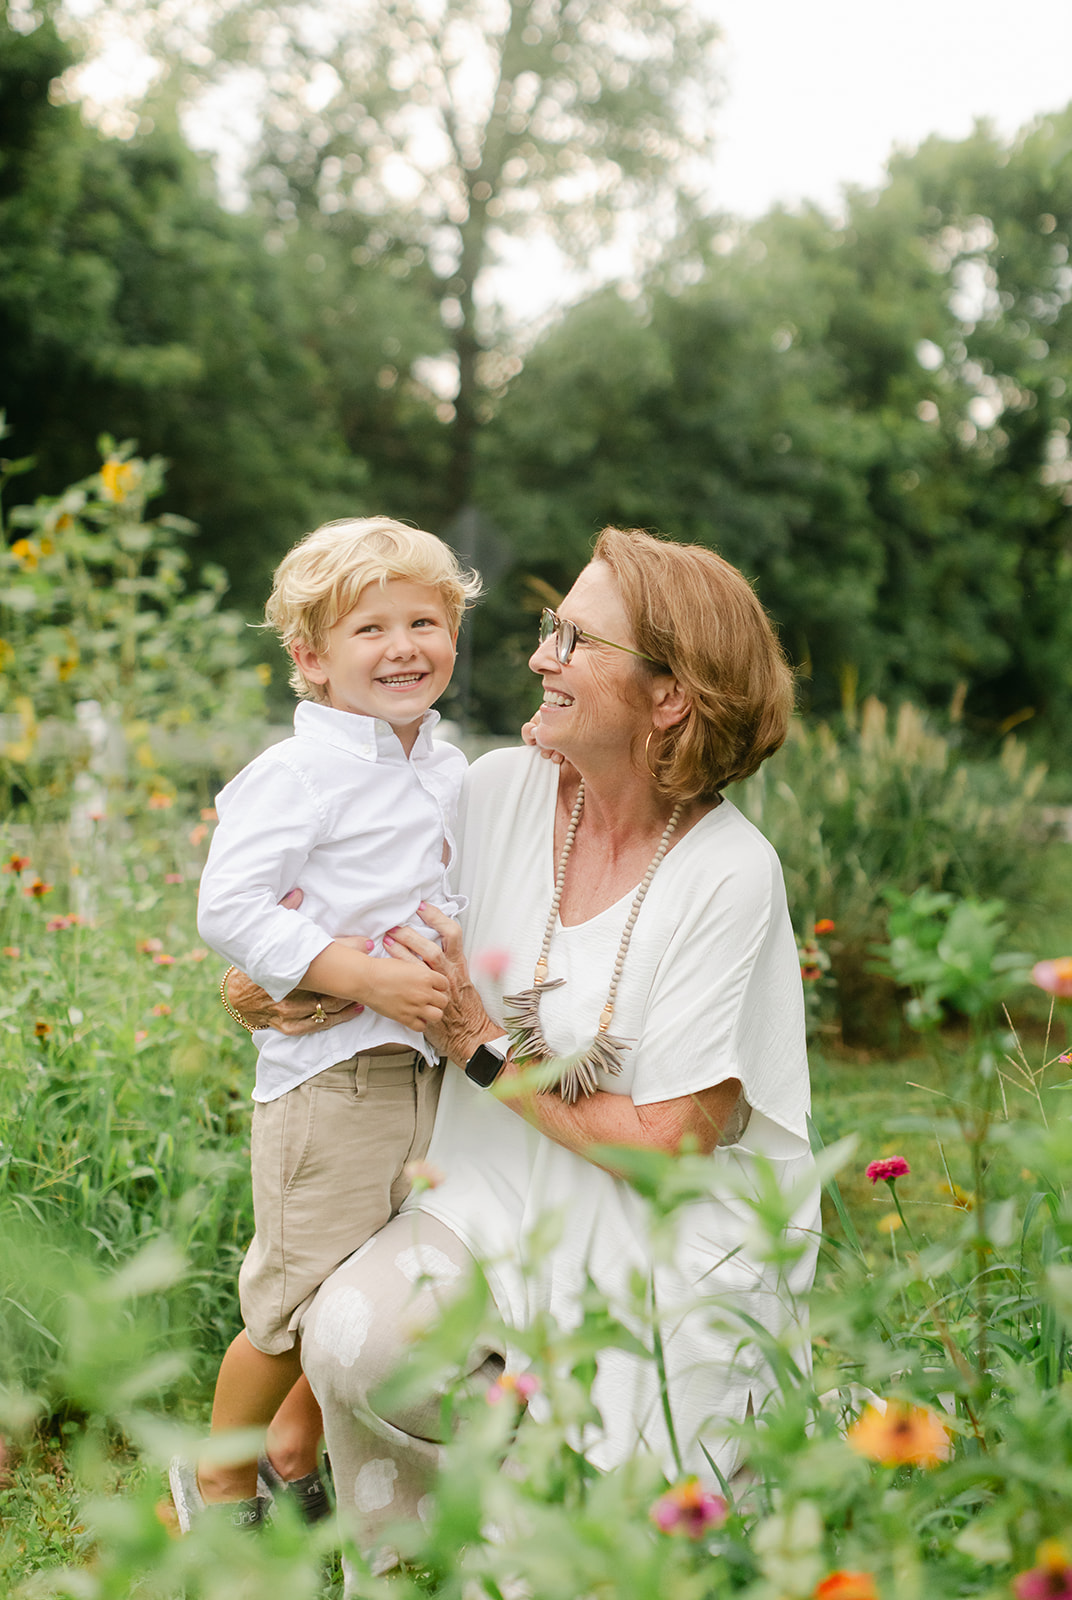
647, 761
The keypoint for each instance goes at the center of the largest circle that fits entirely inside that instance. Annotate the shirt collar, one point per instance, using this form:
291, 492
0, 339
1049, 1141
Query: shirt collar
367, 737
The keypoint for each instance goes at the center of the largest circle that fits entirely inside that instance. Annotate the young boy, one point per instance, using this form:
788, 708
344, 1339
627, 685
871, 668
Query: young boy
357, 810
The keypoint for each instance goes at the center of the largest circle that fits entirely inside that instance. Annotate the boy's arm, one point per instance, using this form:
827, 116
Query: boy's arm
410, 993
268, 826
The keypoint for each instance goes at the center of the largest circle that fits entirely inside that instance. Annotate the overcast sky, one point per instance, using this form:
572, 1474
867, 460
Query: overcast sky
819, 91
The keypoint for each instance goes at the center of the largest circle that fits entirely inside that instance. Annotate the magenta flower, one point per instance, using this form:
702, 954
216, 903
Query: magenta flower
1051, 1579
1054, 976
690, 1509
889, 1169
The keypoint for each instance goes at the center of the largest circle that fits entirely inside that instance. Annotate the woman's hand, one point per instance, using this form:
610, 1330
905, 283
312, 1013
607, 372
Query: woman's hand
528, 734
301, 1011
465, 1023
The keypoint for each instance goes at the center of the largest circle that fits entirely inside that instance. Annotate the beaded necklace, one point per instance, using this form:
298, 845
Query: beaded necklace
604, 1054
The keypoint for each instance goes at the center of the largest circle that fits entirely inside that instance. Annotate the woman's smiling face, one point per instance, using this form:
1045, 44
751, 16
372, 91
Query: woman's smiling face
601, 699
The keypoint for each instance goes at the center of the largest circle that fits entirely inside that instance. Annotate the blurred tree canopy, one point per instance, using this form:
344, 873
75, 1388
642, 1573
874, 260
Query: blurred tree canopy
131, 301
871, 415
871, 418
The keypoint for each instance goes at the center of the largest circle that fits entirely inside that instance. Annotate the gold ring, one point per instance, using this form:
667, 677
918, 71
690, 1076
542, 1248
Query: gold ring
319, 1015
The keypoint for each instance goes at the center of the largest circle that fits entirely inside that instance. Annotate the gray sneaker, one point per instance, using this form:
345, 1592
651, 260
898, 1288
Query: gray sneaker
190, 1504
307, 1494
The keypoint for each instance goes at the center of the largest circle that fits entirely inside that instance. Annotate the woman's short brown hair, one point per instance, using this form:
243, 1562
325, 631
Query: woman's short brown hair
698, 617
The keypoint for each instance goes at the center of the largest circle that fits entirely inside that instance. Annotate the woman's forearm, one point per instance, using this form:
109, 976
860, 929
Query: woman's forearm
607, 1119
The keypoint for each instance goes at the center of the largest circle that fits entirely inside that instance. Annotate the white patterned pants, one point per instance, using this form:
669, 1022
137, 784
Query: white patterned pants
354, 1337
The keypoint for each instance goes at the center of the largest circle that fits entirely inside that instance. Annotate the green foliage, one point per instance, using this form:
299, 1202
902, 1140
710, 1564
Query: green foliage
949, 952
131, 300
94, 607
870, 417
894, 804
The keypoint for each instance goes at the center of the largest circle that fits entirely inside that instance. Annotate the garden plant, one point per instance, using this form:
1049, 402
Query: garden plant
929, 1453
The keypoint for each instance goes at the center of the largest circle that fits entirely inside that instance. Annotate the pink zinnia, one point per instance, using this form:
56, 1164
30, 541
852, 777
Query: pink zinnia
690, 1509
1051, 1579
492, 963
1054, 976
886, 1171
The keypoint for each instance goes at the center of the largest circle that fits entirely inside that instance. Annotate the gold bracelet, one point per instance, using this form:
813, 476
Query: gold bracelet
227, 1006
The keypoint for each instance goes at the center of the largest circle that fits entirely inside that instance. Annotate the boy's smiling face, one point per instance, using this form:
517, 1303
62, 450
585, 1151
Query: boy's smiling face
390, 657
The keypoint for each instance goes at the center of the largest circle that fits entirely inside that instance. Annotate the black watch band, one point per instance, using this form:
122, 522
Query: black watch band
487, 1061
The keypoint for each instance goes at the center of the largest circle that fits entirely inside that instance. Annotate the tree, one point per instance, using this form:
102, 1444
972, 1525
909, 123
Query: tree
456, 125
872, 419
131, 302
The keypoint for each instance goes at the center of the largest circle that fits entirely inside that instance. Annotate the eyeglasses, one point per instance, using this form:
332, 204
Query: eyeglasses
568, 636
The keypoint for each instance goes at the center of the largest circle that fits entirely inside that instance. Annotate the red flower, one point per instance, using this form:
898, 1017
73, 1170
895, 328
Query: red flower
57, 924
825, 925
38, 889
17, 864
886, 1171
811, 973
690, 1509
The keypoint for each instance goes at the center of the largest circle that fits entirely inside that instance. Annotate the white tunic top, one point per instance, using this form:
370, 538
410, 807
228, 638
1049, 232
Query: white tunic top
710, 990
341, 813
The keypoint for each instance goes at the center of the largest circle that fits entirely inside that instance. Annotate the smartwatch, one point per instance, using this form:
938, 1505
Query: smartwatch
487, 1061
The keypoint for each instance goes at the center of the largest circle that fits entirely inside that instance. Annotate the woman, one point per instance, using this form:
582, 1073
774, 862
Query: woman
628, 920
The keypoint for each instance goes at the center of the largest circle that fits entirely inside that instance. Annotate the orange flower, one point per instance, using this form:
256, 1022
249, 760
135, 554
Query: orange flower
161, 1010
42, 1029
38, 889
842, 1585
208, 814
825, 925
901, 1436
158, 801
16, 863
12, 951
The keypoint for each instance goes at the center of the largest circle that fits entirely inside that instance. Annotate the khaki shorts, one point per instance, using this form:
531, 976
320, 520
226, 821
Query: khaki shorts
328, 1163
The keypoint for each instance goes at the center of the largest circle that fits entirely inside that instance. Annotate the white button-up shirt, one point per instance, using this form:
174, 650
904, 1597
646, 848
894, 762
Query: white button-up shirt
339, 812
